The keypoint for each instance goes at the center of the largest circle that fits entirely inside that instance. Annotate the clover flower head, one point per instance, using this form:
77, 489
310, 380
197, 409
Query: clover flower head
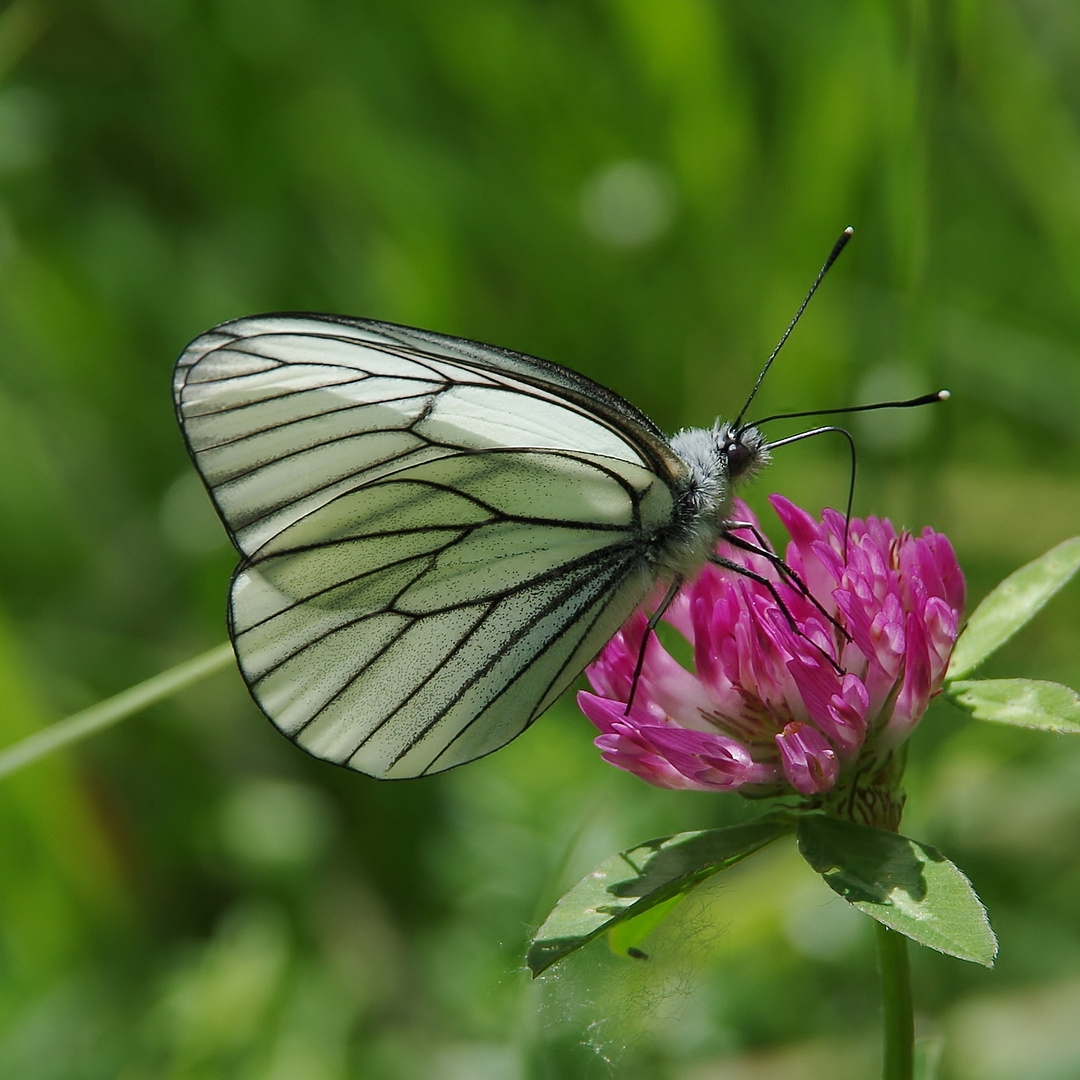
793, 700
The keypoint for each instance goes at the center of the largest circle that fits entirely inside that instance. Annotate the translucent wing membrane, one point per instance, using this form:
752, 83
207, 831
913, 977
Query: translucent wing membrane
438, 535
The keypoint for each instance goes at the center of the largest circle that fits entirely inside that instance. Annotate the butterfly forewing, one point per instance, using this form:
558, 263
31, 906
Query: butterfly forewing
275, 442
438, 534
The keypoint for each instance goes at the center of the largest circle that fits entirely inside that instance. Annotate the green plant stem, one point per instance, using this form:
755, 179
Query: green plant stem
897, 1005
108, 712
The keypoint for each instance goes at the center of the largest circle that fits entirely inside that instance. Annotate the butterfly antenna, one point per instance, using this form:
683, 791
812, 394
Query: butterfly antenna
911, 403
839, 246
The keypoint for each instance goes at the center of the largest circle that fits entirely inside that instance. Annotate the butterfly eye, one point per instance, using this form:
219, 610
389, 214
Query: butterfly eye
738, 455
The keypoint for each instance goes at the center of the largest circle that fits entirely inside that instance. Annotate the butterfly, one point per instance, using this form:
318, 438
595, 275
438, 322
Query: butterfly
438, 535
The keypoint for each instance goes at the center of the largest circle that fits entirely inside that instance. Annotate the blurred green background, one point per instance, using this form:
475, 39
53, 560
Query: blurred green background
642, 191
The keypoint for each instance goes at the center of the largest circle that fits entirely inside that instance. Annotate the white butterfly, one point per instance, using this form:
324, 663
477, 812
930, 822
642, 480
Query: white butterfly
437, 535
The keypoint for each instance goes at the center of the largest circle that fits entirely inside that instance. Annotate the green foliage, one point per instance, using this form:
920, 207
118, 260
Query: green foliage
910, 887
1029, 703
187, 895
1026, 703
1012, 604
626, 886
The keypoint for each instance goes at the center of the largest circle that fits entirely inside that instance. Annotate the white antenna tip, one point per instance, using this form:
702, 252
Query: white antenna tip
849, 231
943, 395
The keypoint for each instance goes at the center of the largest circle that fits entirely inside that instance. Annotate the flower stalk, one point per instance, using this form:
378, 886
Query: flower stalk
897, 1005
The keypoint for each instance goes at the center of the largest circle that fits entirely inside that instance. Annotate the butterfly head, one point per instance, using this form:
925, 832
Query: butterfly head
743, 451
716, 460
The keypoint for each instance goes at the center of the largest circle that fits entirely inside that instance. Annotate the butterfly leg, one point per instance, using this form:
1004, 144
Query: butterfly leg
762, 548
743, 571
650, 626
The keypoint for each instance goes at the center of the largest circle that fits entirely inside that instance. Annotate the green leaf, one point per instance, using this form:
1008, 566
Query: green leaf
1012, 604
630, 883
1024, 702
910, 887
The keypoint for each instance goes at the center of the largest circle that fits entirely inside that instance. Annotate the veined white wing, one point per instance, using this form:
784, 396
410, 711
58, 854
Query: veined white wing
437, 535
